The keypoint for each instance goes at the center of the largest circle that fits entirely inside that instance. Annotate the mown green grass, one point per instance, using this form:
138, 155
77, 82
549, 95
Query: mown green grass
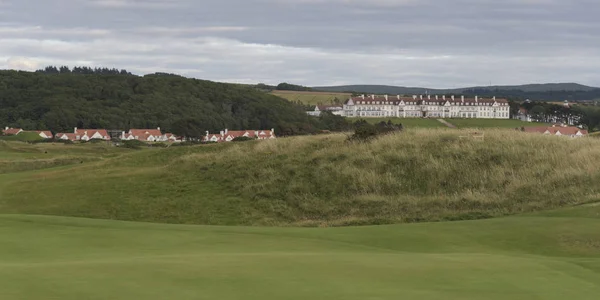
492, 123
415, 176
22, 137
312, 98
407, 122
528, 257
19, 156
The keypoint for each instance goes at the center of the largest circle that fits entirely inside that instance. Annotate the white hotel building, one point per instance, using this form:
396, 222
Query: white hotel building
426, 106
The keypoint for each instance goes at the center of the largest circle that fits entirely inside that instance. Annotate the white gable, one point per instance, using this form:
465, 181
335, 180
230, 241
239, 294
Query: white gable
96, 135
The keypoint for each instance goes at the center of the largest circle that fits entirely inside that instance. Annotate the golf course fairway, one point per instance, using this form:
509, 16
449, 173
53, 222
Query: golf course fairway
552, 255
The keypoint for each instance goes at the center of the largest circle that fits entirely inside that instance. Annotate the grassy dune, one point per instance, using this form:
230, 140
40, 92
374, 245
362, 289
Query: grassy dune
418, 175
554, 255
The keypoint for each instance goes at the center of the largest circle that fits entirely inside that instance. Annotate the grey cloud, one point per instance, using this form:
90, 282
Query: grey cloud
314, 42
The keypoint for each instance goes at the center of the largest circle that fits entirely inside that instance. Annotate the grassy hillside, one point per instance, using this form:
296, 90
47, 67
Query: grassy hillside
418, 175
18, 157
22, 137
312, 98
378, 89
546, 256
59, 102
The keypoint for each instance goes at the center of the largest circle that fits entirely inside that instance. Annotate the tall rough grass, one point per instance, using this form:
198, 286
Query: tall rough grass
413, 176
417, 175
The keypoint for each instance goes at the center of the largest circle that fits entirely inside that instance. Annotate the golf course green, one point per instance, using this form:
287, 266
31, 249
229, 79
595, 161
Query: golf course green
544, 256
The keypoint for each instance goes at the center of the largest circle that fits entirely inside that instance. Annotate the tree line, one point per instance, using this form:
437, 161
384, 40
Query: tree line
82, 70
104, 99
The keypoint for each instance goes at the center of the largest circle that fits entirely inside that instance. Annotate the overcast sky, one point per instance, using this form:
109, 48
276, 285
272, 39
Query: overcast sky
433, 43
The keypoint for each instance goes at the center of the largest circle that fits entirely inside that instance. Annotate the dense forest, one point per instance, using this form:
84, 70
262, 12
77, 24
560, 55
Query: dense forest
58, 100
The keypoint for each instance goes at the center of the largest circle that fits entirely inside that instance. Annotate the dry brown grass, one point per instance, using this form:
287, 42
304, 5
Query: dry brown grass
416, 175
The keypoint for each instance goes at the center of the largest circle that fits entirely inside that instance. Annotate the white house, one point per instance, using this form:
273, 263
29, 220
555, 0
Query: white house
45, 134
228, 135
84, 135
337, 110
11, 131
173, 138
144, 135
426, 106
563, 130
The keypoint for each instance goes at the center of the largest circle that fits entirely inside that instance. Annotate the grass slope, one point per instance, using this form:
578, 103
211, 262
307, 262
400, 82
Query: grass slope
532, 257
418, 175
22, 137
312, 98
17, 156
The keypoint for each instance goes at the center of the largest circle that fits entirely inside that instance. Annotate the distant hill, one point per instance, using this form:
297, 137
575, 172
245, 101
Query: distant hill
61, 101
546, 91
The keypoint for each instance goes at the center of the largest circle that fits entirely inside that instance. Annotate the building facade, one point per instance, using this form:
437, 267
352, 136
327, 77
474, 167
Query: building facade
337, 110
430, 106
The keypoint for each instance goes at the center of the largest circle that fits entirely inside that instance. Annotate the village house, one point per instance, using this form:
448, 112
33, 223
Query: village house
228, 136
149, 135
144, 135
11, 131
426, 106
337, 110
523, 115
172, 138
558, 130
45, 134
84, 135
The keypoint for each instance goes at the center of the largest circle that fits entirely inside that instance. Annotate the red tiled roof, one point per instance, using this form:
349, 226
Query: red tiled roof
172, 136
12, 131
91, 132
46, 132
569, 130
69, 136
232, 134
141, 132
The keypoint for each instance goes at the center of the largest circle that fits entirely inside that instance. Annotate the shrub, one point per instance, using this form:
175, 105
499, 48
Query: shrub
242, 139
363, 131
96, 141
134, 144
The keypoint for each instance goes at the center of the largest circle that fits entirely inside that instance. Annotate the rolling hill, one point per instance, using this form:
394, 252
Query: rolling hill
59, 102
393, 90
418, 175
548, 248
548, 92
